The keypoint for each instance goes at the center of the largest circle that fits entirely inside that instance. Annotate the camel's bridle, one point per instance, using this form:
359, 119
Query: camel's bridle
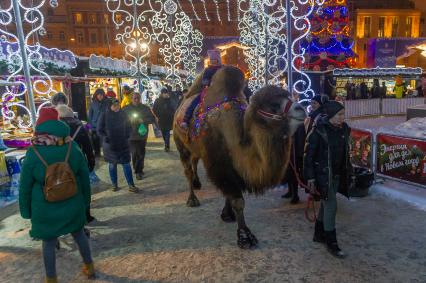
276, 117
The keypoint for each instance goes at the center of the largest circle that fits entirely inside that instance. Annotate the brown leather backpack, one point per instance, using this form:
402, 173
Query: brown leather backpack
59, 181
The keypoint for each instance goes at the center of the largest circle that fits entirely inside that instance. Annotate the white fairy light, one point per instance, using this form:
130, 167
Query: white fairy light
205, 10
25, 58
217, 10
229, 12
194, 10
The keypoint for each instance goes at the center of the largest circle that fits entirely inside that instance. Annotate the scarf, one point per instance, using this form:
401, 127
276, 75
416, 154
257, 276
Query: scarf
46, 139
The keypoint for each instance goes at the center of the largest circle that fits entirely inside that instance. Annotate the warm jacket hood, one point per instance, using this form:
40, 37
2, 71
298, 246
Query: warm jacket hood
55, 128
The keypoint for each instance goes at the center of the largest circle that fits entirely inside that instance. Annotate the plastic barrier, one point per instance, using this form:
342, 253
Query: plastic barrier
393, 106
362, 107
401, 158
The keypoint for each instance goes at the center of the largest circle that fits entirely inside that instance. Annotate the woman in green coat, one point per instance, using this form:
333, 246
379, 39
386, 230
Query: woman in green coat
49, 220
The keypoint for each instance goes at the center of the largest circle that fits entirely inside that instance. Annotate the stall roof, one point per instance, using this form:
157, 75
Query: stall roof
377, 72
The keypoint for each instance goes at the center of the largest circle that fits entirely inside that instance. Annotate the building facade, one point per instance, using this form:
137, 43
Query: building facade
383, 23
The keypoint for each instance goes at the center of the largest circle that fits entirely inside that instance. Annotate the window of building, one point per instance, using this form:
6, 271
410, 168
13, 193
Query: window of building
78, 18
80, 37
92, 19
381, 32
118, 18
395, 24
367, 26
49, 35
106, 18
408, 26
62, 36
50, 12
93, 38
105, 38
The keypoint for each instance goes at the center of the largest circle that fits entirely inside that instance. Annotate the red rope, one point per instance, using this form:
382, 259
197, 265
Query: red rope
310, 197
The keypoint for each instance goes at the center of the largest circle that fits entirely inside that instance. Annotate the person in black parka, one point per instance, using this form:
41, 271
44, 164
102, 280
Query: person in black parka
140, 117
114, 129
98, 106
81, 138
164, 110
327, 169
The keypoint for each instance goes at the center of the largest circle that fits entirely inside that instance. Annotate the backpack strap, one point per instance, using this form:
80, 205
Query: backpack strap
76, 132
39, 156
69, 151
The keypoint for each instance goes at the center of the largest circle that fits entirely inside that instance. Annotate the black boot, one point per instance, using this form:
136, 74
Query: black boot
319, 236
332, 246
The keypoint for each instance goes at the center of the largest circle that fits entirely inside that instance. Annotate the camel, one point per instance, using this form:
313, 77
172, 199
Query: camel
244, 147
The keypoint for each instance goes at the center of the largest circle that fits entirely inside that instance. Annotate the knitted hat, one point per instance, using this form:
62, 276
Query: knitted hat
317, 98
332, 107
64, 111
47, 114
214, 57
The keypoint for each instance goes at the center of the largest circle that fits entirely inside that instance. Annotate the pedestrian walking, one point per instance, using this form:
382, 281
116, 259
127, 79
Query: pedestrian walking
140, 117
164, 110
55, 210
316, 110
81, 137
98, 106
327, 170
127, 96
114, 129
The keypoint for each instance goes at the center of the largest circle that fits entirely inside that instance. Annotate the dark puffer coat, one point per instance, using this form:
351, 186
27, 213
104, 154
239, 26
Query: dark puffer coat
317, 163
114, 129
82, 139
164, 110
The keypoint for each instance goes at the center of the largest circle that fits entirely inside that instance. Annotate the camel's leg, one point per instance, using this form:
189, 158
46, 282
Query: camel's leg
185, 157
246, 239
228, 214
196, 184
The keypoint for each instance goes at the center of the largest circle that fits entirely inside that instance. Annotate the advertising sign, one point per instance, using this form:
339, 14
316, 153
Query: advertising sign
402, 158
361, 145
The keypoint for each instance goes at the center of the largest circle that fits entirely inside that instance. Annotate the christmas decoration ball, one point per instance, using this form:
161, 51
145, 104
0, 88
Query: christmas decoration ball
227, 106
323, 55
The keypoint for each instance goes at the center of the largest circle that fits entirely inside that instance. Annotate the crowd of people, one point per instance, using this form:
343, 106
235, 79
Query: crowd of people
320, 159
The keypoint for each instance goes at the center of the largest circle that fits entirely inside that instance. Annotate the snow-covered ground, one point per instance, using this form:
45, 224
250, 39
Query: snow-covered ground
154, 237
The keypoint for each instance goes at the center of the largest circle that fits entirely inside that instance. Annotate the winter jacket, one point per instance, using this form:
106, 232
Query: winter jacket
82, 139
140, 114
127, 99
96, 109
114, 129
310, 120
164, 110
318, 158
53, 219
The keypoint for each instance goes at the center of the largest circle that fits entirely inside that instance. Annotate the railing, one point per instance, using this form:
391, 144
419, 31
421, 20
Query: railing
377, 106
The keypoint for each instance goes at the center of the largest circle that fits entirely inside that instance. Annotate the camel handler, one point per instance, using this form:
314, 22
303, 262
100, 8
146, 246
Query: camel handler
327, 170
215, 63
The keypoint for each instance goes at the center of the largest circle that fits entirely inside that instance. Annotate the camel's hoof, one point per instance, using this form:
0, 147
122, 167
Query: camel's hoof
196, 184
192, 202
228, 216
246, 240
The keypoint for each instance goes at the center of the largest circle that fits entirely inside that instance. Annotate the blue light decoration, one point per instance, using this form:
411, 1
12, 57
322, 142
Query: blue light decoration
329, 45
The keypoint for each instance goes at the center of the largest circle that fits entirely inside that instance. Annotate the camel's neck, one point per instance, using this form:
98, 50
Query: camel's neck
262, 155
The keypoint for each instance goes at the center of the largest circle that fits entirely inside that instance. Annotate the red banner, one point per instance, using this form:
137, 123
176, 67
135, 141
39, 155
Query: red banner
402, 158
361, 145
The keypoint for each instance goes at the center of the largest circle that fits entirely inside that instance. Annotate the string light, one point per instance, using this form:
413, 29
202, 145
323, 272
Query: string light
13, 95
217, 10
229, 12
205, 10
195, 12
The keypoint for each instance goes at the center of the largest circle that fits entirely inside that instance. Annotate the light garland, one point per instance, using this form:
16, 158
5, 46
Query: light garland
263, 28
229, 11
33, 16
205, 10
217, 10
195, 12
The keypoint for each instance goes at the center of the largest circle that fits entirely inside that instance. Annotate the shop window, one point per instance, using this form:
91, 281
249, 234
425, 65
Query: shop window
62, 36
395, 24
367, 27
408, 26
92, 19
78, 18
381, 32
49, 35
93, 38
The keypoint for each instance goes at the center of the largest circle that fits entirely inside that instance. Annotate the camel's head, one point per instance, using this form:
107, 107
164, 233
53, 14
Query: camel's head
272, 108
